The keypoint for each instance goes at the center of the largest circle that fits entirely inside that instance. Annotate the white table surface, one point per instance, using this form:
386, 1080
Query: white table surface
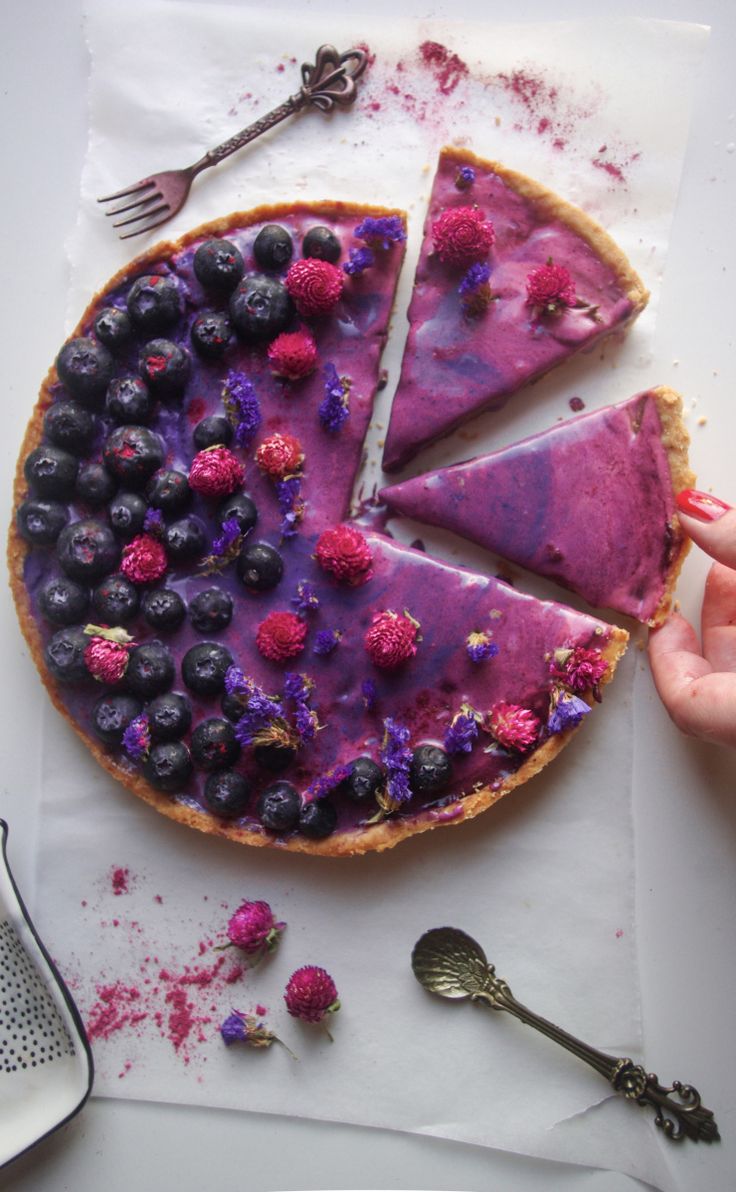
685, 802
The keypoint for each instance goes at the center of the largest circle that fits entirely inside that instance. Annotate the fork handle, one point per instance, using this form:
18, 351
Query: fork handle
329, 83
679, 1116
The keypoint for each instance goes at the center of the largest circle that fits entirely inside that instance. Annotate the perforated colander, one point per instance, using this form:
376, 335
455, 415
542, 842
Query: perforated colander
45, 1059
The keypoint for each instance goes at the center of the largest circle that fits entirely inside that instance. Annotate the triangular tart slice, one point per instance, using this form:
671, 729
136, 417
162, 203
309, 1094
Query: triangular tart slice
589, 503
511, 282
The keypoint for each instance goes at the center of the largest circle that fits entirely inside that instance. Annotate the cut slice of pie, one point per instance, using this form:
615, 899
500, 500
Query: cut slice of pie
511, 281
590, 503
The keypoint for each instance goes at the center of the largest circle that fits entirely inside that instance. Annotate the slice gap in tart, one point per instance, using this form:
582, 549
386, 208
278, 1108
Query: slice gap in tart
511, 282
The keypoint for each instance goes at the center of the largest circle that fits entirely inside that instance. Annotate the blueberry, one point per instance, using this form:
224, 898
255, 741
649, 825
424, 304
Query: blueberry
214, 745
322, 243
227, 794
242, 508
94, 485
218, 265
165, 367
133, 454
51, 472
127, 513
116, 600
87, 550
112, 714
150, 670
169, 491
273, 756
211, 334
232, 707
279, 806
273, 247
260, 567
154, 303
163, 608
62, 601
70, 426
64, 654
212, 431
317, 819
168, 766
128, 401
113, 327
260, 307
211, 610
169, 716
430, 770
184, 539
204, 666
85, 368
364, 780
41, 522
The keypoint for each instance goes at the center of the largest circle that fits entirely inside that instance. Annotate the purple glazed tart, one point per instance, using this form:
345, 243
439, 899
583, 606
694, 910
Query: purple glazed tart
227, 645
511, 282
589, 503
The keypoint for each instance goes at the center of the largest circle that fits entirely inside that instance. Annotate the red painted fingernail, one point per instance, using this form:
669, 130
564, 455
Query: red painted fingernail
701, 505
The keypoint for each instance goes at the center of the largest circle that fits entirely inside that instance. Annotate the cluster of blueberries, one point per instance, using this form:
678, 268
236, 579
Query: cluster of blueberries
127, 484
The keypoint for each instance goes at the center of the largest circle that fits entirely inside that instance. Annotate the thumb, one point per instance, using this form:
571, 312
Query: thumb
710, 523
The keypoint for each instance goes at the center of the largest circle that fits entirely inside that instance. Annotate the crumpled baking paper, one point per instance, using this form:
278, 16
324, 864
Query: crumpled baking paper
136, 905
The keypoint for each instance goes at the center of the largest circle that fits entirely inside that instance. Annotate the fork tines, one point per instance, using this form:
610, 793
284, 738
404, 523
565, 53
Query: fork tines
141, 204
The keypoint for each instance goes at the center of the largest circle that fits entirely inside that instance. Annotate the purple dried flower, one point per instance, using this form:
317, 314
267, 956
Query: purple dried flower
306, 599
325, 641
291, 505
260, 711
396, 759
476, 276
326, 783
381, 232
480, 646
463, 731
245, 1028
360, 260
567, 711
153, 522
242, 406
298, 688
335, 408
465, 178
137, 738
369, 691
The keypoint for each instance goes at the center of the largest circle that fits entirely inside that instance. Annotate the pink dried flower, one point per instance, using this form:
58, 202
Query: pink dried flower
144, 560
293, 355
579, 668
253, 929
513, 726
106, 661
462, 236
550, 287
311, 993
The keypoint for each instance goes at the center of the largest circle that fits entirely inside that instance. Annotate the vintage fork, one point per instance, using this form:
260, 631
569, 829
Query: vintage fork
329, 83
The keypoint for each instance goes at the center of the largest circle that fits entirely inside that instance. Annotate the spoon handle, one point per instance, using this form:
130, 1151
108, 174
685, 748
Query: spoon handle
679, 1116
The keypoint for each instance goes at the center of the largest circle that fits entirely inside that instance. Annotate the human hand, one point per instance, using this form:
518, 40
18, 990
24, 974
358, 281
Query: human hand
697, 683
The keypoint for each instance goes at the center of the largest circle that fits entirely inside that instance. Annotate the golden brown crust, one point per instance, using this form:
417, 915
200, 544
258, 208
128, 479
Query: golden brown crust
375, 837
676, 441
556, 208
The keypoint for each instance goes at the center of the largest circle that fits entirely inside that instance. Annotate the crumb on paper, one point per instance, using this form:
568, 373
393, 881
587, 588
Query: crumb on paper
702, 421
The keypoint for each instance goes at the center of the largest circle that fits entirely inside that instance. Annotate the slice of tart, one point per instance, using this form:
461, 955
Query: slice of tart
511, 281
589, 503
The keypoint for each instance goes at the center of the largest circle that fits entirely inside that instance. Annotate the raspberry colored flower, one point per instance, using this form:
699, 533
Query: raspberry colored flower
144, 560
293, 355
280, 455
344, 553
314, 285
513, 726
311, 993
106, 661
281, 636
391, 639
253, 929
580, 669
215, 472
462, 236
550, 287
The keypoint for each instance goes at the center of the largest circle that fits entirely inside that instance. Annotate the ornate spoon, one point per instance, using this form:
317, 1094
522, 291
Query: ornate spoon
450, 963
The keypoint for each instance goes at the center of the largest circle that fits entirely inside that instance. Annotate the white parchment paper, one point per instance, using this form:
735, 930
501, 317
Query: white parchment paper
137, 905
